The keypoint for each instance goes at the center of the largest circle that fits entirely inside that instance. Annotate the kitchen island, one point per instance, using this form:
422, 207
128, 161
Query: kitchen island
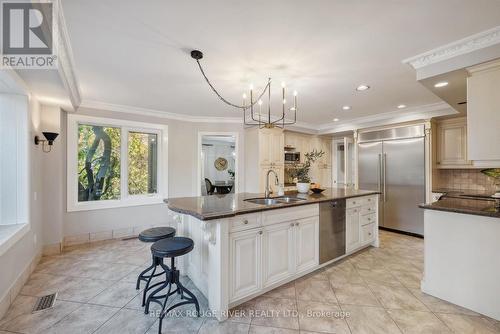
244, 249
461, 253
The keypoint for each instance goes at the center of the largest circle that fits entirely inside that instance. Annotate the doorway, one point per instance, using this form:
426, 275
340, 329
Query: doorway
218, 172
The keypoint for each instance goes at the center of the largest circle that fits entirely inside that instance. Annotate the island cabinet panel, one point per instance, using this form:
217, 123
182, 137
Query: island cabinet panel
306, 244
277, 247
245, 263
353, 235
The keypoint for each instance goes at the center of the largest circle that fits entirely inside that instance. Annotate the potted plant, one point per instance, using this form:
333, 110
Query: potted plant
301, 171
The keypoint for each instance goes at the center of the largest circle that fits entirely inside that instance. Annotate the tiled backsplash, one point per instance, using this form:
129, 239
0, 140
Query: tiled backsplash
465, 179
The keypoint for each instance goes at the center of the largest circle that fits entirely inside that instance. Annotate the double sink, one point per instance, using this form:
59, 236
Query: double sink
275, 200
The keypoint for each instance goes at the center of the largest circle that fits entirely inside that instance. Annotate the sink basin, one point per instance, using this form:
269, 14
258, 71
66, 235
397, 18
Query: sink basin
263, 201
273, 201
288, 199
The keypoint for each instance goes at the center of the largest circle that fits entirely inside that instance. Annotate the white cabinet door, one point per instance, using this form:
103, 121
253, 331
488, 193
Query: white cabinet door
352, 232
245, 263
277, 147
452, 143
277, 250
306, 243
265, 147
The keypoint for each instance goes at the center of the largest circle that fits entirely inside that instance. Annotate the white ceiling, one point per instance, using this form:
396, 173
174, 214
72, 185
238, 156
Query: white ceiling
136, 53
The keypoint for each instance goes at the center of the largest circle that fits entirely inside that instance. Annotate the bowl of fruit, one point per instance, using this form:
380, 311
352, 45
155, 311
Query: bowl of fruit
316, 188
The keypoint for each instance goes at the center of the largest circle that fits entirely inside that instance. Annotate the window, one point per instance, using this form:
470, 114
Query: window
14, 172
113, 163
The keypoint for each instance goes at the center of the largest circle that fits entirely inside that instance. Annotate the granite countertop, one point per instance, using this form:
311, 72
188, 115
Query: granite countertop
230, 205
478, 207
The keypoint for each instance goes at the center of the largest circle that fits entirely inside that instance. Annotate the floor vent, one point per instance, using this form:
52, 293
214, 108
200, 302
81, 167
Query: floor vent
45, 302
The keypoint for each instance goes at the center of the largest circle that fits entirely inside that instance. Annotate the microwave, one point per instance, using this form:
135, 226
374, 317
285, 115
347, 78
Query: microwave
292, 157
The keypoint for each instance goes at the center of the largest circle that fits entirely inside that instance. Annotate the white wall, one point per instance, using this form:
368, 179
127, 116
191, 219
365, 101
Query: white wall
182, 175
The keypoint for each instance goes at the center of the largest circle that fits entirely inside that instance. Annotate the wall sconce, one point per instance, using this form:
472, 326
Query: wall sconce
49, 139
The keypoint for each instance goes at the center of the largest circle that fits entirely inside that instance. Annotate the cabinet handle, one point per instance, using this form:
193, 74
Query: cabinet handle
369, 219
260, 232
369, 233
354, 202
245, 222
292, 224
296, 224
369, 209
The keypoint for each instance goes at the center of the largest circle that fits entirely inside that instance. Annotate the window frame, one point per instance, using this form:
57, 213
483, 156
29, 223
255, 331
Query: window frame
126, 200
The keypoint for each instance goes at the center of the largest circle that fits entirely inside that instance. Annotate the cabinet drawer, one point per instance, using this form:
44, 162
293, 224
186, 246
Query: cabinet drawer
270, 217
368, 219
370, 200
244, 222
368, 209
354, 202
367, 233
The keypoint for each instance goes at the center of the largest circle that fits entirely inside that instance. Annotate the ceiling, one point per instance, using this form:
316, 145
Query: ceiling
136, 53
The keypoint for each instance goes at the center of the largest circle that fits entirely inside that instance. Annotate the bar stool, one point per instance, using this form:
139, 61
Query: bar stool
171, 248
152, 235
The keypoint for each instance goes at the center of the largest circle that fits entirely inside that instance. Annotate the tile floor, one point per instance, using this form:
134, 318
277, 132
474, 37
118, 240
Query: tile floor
373, 291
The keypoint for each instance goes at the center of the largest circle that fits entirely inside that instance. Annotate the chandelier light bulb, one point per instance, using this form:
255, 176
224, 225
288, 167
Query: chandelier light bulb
284, 101
244, 96
283, 84
294, 93
251, 86
260, 102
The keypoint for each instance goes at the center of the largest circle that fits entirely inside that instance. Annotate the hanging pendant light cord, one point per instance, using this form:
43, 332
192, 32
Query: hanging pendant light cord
226, 101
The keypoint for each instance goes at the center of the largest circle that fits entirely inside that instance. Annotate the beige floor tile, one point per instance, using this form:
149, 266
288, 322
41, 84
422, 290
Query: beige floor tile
85, 319
318, 275
118, 295
409, 279
286, 291
39, 322
21, 305
127, 322
242, 313
356, 294
272, 330
418, 322
393, 297
439, 305
315, 290
466, 324
378, 276
321, 317
275, 312
343, 273
83, 289
213, 326
369, 320
40, 284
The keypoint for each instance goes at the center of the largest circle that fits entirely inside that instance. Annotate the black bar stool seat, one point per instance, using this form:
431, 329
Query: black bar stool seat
171, 248
156, 233
152, 235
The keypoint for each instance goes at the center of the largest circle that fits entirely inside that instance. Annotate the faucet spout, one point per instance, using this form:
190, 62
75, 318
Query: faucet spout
267, 192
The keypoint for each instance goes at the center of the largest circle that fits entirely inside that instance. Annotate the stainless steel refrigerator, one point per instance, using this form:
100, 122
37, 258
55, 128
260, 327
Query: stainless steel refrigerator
392, 161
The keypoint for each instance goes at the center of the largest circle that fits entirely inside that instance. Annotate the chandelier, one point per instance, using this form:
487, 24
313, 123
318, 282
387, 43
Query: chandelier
250, 116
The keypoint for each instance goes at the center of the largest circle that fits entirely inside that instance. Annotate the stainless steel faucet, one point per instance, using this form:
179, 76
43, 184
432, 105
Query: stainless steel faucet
268, 191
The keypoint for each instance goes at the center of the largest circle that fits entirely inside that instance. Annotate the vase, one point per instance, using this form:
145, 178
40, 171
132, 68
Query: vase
303, 188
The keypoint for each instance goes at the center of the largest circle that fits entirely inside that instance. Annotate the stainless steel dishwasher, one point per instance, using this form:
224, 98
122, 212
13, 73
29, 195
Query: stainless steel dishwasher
331, 230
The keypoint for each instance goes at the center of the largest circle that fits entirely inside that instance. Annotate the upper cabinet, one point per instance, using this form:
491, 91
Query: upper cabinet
483, 114
271, 144
452, 144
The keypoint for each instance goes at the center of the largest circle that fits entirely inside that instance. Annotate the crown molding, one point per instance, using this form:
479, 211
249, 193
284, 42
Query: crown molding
423, 112
66, 63
98, 105
463, 46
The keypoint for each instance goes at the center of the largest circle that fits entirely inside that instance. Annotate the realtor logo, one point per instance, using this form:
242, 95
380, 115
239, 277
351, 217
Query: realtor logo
28, 35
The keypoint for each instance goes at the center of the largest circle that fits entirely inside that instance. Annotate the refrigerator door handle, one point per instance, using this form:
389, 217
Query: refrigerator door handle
384, 164
379, 173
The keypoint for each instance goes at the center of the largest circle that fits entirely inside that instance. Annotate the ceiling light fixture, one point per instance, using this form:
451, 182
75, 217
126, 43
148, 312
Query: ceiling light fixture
441, 84
346, 108
254, 117
402, 106
336, 119
361, 88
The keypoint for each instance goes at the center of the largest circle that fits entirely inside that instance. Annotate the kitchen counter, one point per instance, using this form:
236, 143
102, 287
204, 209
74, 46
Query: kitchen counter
468, 206
223, 206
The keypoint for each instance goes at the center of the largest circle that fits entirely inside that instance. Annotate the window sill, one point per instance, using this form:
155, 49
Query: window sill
113, 204
10, 234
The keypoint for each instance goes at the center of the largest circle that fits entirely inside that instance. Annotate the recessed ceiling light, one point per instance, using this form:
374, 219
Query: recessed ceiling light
361, 88
336, 120
441, 84
402, 106
346, 108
